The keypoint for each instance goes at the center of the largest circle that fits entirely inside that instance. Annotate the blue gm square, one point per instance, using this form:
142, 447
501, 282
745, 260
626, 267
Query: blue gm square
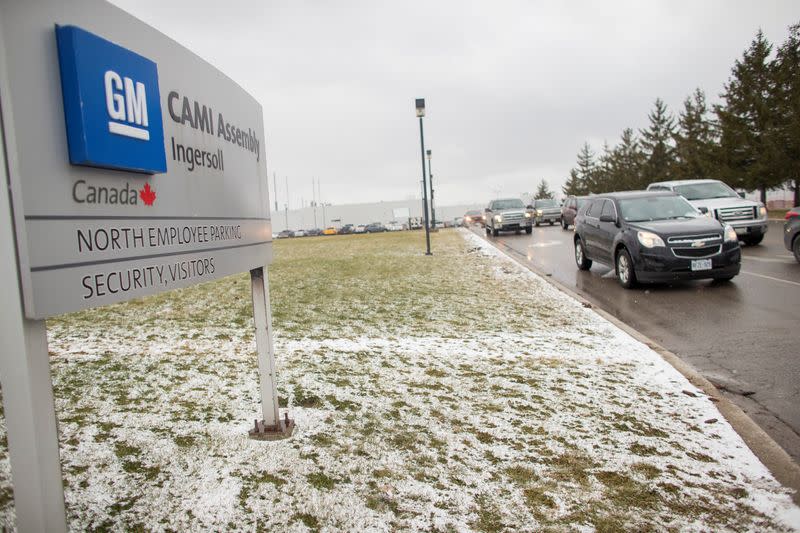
112, 105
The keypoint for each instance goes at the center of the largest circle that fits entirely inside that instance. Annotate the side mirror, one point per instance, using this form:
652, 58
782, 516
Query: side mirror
487, 210
703, 210
607, 218
529, 207
741, 195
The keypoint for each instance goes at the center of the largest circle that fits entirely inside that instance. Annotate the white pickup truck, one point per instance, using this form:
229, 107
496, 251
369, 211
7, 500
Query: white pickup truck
717, 200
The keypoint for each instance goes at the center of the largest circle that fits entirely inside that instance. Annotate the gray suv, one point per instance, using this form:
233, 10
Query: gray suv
546, 210
508, 214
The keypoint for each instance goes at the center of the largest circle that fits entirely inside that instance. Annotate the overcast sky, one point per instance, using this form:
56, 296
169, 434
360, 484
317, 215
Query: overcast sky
512, 88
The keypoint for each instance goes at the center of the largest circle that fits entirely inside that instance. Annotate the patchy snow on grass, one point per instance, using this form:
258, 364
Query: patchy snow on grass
453, 392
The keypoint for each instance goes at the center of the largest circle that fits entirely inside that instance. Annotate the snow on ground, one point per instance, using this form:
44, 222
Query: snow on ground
455, 392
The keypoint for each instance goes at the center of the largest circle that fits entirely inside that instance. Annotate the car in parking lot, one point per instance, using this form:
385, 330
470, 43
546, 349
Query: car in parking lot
286, 234
654, 236
314, 232
375, 227
570, 209
715, 199
546, 210
791, 232
346, 229
507, 214
330, 231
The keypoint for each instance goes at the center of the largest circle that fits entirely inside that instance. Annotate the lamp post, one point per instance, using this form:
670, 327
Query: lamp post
430, 180
421, 113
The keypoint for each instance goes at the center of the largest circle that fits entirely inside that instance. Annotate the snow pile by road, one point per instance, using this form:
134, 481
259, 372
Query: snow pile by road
453, 392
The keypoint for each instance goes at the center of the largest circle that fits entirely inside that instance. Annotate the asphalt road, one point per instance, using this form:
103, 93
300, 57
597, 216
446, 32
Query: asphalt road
743, 336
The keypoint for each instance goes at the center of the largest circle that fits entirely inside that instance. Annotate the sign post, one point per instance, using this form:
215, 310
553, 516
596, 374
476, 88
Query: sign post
27, 397
130, 167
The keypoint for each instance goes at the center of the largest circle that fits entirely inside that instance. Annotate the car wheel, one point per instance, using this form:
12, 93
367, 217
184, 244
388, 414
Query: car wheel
796, 248
625, 273
529, 230
536, 223
495, 232
488, 231
564, 224
753, 241
552, 222
580, 257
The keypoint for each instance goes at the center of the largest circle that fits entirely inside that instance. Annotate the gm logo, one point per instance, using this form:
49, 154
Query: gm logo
130, 106
112, 104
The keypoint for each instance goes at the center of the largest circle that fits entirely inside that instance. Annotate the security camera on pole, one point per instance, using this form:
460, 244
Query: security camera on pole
421, 113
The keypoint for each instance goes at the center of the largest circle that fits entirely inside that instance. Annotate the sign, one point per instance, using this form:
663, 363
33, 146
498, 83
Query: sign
135, 166
111, 104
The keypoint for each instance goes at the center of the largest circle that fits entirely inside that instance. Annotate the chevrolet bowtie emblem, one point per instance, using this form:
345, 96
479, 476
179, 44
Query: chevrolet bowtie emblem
698, 244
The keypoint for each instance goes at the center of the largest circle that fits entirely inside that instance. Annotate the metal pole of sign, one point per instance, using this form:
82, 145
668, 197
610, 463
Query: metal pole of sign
270, 426
28, 403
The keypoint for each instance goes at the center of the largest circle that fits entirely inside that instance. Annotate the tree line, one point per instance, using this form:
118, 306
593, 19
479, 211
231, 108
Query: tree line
751, 140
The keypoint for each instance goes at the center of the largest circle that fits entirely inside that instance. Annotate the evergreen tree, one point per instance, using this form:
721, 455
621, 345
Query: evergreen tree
657, 146
694, 141
543, 191
746, 146
586, 169
603, 176
572, 186
785, 135
627, 162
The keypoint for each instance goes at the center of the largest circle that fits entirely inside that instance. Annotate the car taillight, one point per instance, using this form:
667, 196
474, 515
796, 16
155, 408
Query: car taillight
791, 214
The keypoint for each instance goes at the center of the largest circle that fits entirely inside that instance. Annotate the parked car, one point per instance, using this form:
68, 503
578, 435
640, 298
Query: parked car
360, 229
546, 210
375, 227
330, 231
791, 232
507, 214
313, 232
300, 233
286, 234
394, 226
346, 229
653, 236
569, 209
474, 217
717, 200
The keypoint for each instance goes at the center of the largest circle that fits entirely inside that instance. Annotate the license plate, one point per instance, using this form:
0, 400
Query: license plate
701, 264
741, 231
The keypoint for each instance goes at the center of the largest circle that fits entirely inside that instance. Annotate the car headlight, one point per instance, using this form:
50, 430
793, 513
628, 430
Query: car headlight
762, 212
730, 234
498, 218
538, 212
648, 239
527, 215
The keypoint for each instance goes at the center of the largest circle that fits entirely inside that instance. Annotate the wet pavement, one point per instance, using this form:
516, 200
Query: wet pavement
743, 336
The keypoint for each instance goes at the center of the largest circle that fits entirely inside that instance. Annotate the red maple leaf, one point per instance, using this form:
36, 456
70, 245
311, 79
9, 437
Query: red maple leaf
147, 195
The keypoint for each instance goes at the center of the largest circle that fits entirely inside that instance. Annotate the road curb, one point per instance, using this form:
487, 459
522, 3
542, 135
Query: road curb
775, 458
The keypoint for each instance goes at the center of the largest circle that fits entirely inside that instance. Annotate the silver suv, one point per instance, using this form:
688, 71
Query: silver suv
508, 214
546, 210
717, 200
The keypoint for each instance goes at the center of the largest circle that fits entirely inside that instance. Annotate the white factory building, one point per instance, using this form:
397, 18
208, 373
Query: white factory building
339, 215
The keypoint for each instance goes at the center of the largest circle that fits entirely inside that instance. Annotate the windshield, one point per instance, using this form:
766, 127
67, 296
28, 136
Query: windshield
656, 208
704, 191
511, 203
545, 203
472, 213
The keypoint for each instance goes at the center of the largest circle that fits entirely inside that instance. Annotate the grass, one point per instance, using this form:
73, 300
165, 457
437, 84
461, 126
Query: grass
447, 392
